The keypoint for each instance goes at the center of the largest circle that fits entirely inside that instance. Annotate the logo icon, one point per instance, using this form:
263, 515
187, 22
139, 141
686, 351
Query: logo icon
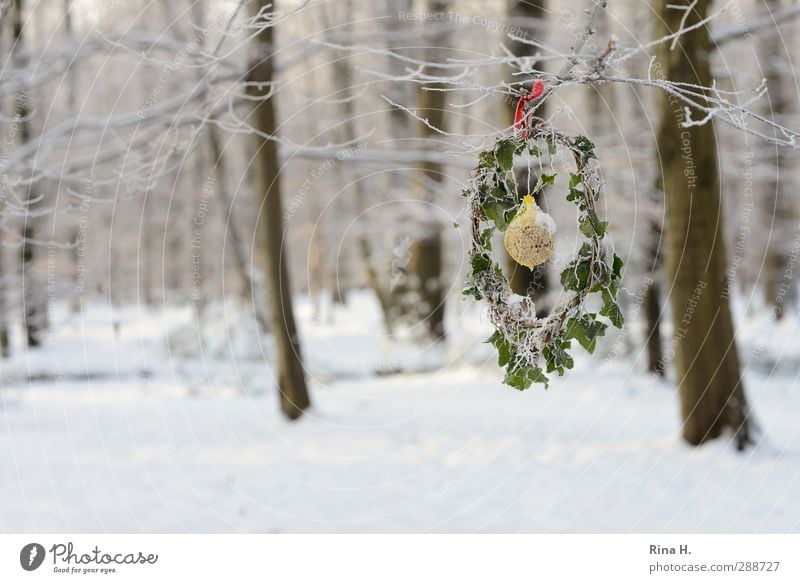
31, 556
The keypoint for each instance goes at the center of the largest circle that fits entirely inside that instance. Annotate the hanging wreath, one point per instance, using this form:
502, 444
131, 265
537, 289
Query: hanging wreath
521, 338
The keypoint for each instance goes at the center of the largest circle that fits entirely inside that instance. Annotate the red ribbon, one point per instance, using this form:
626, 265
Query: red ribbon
536, 92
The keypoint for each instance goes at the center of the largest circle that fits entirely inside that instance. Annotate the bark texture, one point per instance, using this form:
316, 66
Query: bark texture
294, 398
706, 361
34, 313
775, 201
427, 255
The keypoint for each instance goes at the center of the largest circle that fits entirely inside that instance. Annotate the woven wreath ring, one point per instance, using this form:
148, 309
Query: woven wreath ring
522, 339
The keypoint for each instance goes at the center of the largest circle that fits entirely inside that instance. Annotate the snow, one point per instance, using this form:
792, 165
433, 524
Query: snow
546, 221
140, 436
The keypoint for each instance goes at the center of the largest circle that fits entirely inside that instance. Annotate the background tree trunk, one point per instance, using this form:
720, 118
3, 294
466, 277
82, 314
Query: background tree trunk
5, 339
652, 315
251, 292
775, 202
706, 362
294, 398
426, 266
652, 295
5, 283
343, 83
34, 313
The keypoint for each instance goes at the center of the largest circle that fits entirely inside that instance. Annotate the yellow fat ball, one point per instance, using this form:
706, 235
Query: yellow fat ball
531, 236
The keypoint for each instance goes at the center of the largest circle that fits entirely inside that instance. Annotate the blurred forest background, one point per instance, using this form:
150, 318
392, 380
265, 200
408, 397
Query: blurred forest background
234, 245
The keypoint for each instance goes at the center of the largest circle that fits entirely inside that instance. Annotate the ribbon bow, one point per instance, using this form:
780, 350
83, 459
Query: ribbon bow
536, 92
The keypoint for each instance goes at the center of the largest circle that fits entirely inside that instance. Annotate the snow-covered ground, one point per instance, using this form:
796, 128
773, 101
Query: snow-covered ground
124, 430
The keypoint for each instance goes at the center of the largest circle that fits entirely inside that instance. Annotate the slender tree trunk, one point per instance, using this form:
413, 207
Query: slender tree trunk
400, 302
399, 121
148, 233
427, 254
294, 398
530, 17
72, 84
775, 199
343, 82
5, 340
652, 298
34, 316
652, 314
251, 291
706, 361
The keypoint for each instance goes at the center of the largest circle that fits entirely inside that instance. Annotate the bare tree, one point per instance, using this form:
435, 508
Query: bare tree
427, 256
294, 398
251, 291
776, 203
34, 318
5, 339
706, 360
343, 84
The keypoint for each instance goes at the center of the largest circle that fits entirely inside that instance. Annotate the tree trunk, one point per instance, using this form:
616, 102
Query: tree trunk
775, 201
523, 14
252, 291
5, 339
34, 313
399, 121
653, 253
5, 284
343, 82
652, 298
72, 84
427, 263
706, 362
652, 314
294, 398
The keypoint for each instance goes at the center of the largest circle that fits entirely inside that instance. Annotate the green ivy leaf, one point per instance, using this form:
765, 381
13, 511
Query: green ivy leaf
585, 329
576, 195
590, 224
569, 278
548, 179
498, 193
601, 277
495, 212
485, 238
523, 377
585, 251
557, 357
574, 180
472, 291
487, 159
611, 309
586, 227
552, 146
617, 266
575, 276
505, 351
585, 148
504, 152
480, 263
